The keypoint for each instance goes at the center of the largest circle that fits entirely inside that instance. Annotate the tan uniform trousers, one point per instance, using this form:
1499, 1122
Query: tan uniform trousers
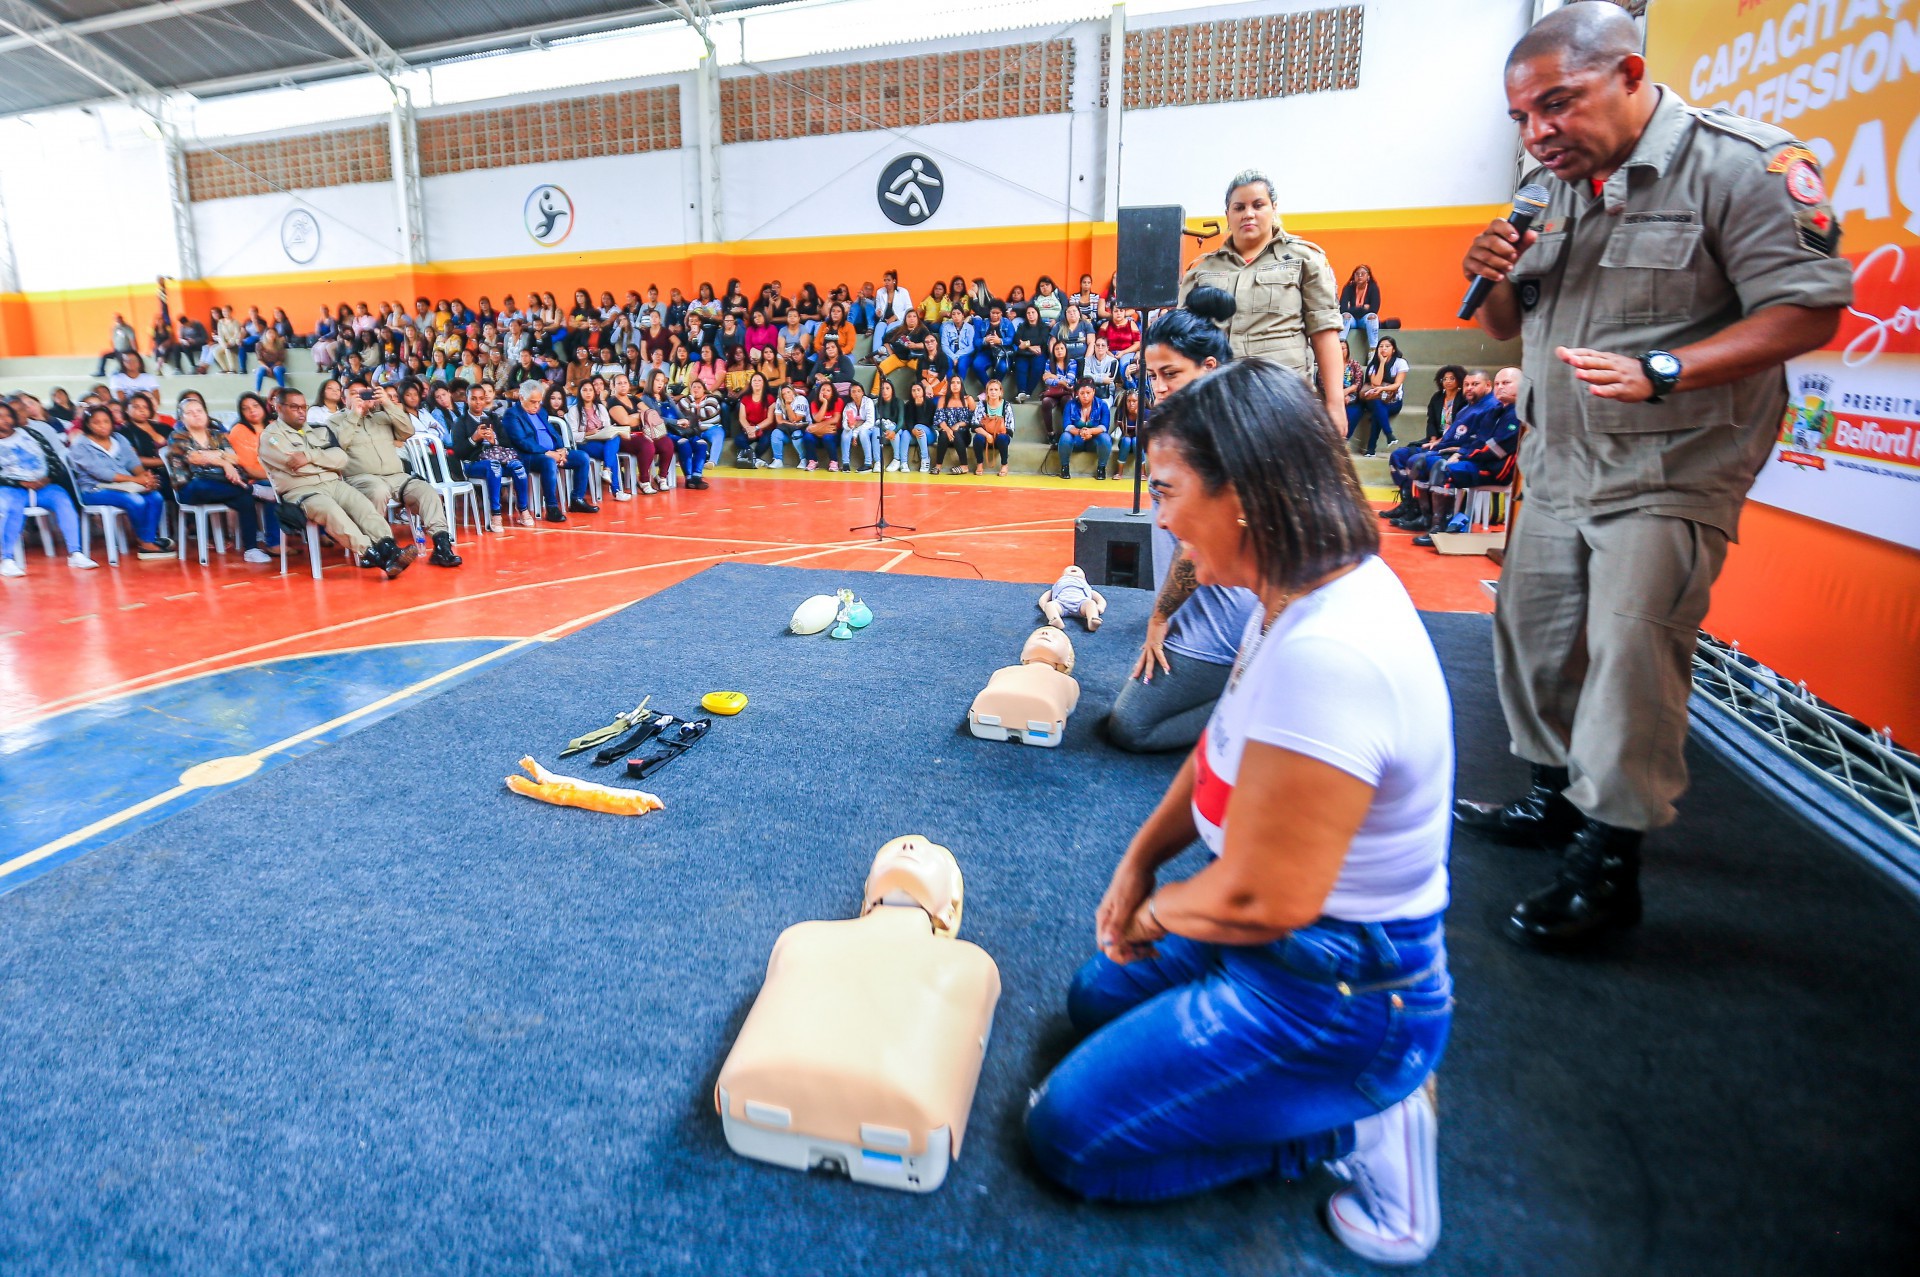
1593, 647
416, 495
346, 515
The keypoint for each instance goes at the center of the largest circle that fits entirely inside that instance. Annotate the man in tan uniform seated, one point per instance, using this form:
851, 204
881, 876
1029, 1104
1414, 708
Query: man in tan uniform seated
371, 428
305, 464
862, 1051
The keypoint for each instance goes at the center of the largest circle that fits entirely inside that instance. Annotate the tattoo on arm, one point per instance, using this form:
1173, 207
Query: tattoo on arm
1178, 588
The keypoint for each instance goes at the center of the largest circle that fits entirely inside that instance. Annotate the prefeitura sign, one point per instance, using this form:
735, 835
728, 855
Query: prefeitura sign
1844, 77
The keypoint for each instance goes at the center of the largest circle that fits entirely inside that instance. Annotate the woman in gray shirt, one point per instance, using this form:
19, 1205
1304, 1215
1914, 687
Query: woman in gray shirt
108, 473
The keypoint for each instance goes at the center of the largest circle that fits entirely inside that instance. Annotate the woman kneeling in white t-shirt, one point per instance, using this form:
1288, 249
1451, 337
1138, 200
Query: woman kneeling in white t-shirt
1284, 1006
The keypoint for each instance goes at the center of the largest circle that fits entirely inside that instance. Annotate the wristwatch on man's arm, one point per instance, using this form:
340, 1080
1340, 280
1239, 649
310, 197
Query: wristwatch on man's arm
1663, 370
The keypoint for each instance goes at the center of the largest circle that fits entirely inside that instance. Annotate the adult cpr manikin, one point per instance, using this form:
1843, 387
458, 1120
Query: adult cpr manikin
863, 1049
1029, 702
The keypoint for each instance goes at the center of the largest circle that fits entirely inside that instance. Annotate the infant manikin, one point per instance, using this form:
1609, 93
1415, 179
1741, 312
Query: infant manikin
1072, 596
1029, 702
863, 1049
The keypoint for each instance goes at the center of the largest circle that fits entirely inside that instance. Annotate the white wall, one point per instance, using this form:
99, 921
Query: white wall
622, 201
359, 226
1426, 128
86, 197
997, 173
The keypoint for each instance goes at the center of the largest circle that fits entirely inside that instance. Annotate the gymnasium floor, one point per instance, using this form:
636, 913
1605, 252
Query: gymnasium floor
129, 693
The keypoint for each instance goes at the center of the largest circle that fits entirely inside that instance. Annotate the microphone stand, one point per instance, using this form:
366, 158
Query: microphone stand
880, 526
1140, 431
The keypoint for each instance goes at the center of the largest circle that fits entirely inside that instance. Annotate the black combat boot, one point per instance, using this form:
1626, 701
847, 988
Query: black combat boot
443, 555
1542, 817
1400, 511
393, 558
1596, 893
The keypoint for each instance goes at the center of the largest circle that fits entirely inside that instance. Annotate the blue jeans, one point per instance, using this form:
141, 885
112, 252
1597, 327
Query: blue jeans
607, 453
716, 437
869, 438
1026, 372
1382, 415
745, 449
987, 366
783, 437
144, 511
1123, 450
902, 440
820, 447
490, 471
540, 465
693, 454
14, 503
1370, 322
239, 499
1101, 444
278, 372
860, 315
1216, 1063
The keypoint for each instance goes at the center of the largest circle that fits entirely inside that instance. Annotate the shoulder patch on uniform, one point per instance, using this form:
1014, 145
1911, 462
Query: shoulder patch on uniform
1764, 136
1789, 157
1819, 229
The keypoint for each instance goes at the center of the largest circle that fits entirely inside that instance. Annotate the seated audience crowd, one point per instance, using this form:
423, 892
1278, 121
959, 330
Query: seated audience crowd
618, 395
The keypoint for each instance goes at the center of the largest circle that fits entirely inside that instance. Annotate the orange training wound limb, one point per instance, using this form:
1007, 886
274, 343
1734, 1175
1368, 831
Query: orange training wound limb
565, 791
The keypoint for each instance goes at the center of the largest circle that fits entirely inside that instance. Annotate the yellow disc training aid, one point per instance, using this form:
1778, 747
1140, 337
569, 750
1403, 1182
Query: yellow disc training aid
728, 703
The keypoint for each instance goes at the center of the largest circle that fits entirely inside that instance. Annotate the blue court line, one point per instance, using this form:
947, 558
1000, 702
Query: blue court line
66, 772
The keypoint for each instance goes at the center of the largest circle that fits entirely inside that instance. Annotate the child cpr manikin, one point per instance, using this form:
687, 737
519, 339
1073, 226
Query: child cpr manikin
1071, 595
863, 1049
1029, 702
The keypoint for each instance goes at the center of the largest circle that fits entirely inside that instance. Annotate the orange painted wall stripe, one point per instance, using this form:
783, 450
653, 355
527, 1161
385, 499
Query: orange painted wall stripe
1830, 607
1414, 253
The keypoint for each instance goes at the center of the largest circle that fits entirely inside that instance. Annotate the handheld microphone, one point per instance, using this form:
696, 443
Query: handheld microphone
1528, 203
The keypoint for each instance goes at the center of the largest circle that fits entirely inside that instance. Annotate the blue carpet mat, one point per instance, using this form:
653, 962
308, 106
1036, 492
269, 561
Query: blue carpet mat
372, 1012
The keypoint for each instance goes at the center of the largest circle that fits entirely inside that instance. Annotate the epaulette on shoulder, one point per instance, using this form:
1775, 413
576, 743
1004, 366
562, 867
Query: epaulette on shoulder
1294, 240
1764, 136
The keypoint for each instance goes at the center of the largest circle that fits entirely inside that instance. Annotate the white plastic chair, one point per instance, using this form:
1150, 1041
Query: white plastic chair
109, 516
40, 515
427, 457
570, 442
201, 514
1480, 504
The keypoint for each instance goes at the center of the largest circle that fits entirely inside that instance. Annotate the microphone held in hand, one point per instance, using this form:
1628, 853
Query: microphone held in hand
1528, 203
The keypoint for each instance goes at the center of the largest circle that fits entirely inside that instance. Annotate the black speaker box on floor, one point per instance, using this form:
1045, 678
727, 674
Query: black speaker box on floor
1114, 546
1148, 256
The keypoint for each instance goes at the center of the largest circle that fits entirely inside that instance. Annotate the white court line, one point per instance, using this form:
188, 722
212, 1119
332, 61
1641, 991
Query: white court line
24, 859
889, 564
79, 699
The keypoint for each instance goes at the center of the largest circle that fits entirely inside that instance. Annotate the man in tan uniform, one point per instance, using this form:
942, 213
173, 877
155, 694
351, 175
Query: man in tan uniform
371, 428
305, 464
1684, 256
1286, 304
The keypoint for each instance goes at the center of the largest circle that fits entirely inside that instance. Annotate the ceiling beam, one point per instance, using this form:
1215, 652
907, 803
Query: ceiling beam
120, 19
361, 41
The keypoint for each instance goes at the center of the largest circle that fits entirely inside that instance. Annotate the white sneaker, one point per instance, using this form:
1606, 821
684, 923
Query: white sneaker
778, 464
759, 463
11, 567
1390, 1212
925, 468
895, 468
255, 555
79, 560
623, 496
647, 490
